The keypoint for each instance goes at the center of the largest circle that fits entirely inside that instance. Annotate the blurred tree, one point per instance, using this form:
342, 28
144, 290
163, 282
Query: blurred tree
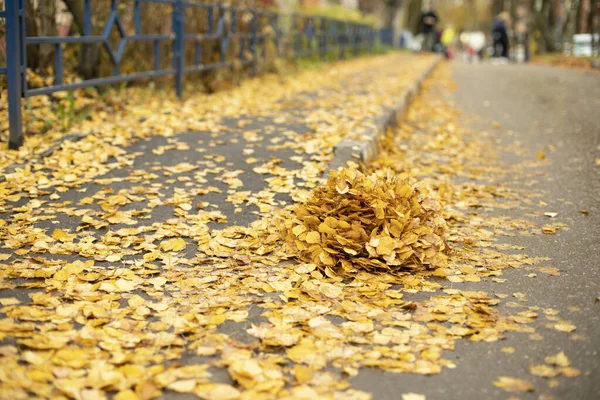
594, 24
47, 27
31, 29
541, 13
89, 56
391, 11
570, 20
367, 6
414, 15
497, 7
583, 13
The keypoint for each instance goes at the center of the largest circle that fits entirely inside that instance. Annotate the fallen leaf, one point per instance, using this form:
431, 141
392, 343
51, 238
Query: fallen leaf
559, 359
564, 327
413, 396
543, 371
513, 385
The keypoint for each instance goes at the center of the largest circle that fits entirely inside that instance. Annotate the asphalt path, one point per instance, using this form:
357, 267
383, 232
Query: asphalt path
555, 112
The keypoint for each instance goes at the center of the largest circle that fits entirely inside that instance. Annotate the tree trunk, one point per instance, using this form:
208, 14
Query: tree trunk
414, 15
89, 56
541, 21
513, 10
582, 16
497, 7
472, 5
47, 18
31, 29
594, 25
391, 11
570, 22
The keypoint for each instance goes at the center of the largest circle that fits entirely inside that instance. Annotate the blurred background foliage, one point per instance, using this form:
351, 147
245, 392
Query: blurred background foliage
550, 24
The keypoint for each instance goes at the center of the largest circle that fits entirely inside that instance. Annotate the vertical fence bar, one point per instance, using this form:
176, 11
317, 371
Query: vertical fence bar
342, 40
137, 17
323, 33
294, 34
356, 39
58, 64
253, 42
223, 41
276, 33
197, 53
14, 47
87, 17
157, 55
310, 36
179, 45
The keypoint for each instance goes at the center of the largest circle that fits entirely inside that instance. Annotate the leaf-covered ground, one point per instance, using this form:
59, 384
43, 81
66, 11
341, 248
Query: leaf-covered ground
139, 262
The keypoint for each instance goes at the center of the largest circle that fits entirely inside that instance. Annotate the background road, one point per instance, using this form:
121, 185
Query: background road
557, 112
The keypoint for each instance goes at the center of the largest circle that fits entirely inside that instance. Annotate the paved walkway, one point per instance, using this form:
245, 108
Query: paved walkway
123, 252
145, 263
529, 165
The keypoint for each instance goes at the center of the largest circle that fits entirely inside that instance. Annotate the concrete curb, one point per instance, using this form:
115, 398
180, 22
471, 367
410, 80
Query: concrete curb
366, 148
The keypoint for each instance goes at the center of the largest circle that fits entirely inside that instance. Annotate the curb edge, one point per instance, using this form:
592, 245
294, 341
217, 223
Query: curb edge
366, 149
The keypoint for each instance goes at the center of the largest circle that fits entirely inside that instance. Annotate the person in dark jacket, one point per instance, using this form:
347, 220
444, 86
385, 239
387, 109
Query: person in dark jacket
500, 35
429, 20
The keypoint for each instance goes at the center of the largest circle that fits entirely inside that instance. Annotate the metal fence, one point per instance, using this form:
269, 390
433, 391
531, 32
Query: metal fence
293, 34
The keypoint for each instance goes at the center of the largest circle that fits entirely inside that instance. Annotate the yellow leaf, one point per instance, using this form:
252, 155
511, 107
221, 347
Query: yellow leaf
217, 391
158, 282
570, 372
413, 396
559, 359
313, 237
92, 394
303, 373
9, 301
330, 290
124, 285
136, 301
72, 357
62, 236
126, 395
176, 244
513, 385
183, 386
543, 371
565, 327
298, 230
185, 206
113, 258
305, 268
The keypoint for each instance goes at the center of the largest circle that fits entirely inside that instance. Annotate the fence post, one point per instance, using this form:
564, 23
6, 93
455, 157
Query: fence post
356, 31
254, 42
179, 45
323, 38
15, 16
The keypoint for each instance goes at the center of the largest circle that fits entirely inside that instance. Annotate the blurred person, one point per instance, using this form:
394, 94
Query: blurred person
500, 36
522, 34
429, 20
474, 43
447, 41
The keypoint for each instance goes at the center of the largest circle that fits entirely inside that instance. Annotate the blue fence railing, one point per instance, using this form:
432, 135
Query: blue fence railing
193, 25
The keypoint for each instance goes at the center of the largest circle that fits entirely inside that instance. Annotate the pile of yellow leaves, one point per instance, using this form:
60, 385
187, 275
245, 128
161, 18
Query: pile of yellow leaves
373, 222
